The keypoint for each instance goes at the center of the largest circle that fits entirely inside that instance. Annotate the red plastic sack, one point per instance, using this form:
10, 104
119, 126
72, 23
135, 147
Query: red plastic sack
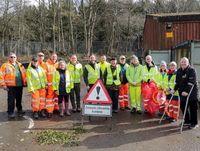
152, 107
146, 91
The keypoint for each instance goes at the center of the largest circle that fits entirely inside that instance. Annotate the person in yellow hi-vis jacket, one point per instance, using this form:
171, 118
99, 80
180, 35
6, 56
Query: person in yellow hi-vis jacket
91, 72
112, 81
36, 82
149, 75
76, 70
102, 65
162, 82
62, 85
134, 77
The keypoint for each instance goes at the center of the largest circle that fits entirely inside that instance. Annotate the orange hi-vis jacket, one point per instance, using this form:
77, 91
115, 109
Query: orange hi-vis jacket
51, 68
7, 74
43, 65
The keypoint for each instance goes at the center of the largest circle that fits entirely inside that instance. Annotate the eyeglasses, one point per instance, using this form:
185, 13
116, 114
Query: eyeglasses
12, 57
123, 58
40, 55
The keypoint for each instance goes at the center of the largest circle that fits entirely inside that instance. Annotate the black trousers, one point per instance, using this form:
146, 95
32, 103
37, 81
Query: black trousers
75, 92
63, 97
191, 112
114, 94
14, 93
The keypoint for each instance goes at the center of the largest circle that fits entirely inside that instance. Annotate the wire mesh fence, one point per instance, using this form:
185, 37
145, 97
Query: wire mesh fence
98, 47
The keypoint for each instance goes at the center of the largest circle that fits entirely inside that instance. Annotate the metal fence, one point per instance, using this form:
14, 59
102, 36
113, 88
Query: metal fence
31, 48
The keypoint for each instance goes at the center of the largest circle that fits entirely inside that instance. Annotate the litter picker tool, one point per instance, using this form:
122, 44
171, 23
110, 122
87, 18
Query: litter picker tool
167, 108
186, 105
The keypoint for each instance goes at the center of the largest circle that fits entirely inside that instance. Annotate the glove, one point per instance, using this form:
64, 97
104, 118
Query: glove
171, 91
134, 83
88, 87
184, 94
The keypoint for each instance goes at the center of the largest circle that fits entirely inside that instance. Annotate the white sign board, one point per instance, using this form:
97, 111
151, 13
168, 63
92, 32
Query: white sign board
97, 110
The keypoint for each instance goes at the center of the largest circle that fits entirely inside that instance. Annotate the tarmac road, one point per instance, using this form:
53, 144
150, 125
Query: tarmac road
129, 132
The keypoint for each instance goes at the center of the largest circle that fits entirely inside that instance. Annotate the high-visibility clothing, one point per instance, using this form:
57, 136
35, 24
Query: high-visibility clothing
38, 100
51, 97
110, 80
76, 72
134, 75
8, 74
135, 97
149, 74
103, 66
43, 65
173, 108
162, 81
51, 68
123, 95
36, 79
68, 80
93, 74
123, 89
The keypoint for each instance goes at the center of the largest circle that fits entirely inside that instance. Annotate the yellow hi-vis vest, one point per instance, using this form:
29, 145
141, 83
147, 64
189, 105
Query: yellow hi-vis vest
93, 74
162, 80
76, 72
151, 74
110, 75
171, 83
56, 81
36, 79
134, 74
103, 66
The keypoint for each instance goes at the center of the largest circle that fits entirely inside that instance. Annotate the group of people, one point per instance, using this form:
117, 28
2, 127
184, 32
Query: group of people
149, 88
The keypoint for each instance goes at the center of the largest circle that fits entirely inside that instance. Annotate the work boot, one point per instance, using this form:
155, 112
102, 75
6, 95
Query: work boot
35, 115
133, 110
122, 108
67, 109
127, 108
78, 109
139, 112
20, 113
43, 113
74, 110
50, 115
61, 110
11, 116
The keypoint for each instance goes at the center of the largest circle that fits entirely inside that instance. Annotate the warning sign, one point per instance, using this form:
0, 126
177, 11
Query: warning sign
97, 94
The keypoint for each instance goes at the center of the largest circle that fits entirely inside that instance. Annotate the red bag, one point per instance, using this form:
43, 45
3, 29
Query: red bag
146, 91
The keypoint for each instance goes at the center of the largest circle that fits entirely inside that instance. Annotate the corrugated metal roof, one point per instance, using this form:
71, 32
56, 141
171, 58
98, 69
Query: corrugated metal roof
172, 17
175, 14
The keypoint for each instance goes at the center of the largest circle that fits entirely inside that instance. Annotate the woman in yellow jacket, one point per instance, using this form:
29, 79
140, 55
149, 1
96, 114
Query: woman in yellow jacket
162, 82
134, 77
37, 82
62, 85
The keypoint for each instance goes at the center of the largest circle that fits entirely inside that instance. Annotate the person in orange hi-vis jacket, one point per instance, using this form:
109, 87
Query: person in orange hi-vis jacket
12, 79
51, 97
41, 63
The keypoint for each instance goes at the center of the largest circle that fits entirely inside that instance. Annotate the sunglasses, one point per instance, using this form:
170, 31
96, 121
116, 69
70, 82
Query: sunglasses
122, 58
12, 57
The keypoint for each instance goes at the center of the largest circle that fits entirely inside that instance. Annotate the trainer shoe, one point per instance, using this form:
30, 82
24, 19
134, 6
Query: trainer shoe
193, 126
